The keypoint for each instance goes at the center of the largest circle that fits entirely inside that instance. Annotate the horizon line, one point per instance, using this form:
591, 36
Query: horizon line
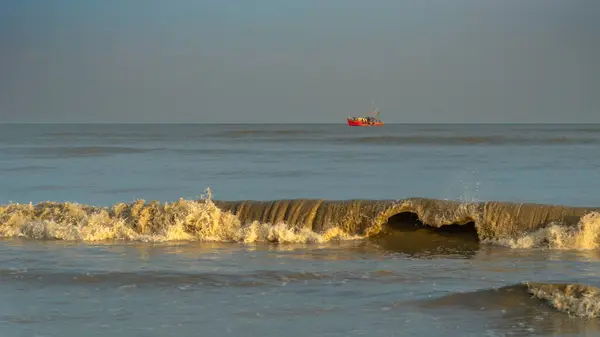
296, 123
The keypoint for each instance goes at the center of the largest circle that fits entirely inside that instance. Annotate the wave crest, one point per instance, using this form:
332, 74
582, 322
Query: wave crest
516, 225
515, 302
574, 299
585, 235
183, 220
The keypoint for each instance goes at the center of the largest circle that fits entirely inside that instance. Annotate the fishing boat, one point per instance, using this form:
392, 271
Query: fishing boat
371, 119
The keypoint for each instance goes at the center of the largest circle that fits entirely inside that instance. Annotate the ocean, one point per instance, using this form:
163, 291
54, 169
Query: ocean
299, 230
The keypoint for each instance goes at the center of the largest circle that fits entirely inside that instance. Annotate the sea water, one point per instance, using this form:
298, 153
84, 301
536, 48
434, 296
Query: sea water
313, 252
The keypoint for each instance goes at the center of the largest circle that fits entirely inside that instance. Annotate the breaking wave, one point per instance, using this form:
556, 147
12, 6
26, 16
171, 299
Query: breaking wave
515, 225
576, 300
183, 220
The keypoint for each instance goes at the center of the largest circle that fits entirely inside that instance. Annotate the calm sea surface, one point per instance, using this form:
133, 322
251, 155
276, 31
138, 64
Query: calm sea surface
367, 287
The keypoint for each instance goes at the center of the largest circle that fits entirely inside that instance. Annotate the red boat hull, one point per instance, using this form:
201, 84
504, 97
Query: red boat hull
352, 122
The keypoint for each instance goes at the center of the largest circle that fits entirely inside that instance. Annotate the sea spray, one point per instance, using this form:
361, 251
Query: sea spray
584, 236
183, 220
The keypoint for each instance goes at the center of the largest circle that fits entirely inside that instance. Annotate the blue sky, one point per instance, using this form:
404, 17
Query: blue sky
299, 61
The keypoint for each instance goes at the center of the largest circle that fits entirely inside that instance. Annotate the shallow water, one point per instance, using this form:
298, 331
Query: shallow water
401, 282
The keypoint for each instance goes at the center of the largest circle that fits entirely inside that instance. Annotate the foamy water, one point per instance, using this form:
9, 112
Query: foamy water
307, 230
183, 220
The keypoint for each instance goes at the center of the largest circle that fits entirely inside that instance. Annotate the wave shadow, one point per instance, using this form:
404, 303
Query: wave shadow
405, 233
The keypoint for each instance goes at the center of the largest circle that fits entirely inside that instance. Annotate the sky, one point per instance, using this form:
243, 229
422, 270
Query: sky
261, 61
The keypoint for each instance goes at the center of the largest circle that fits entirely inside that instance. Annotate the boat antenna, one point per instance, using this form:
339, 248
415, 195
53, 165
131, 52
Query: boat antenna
376, 109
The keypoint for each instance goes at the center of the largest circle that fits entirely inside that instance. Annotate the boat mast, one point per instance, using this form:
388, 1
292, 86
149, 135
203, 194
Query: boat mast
375, 110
